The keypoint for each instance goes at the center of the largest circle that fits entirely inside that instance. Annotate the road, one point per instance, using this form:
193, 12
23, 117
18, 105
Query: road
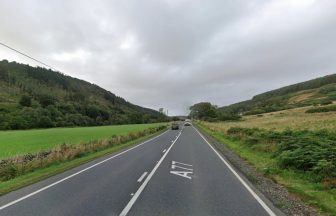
175, 173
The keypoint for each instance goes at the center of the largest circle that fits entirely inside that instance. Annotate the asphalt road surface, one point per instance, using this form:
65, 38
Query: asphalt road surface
175, 173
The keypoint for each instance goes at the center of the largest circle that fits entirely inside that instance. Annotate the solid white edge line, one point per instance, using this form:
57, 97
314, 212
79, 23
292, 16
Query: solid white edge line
260, 201
142, 177
77, 173
142, 187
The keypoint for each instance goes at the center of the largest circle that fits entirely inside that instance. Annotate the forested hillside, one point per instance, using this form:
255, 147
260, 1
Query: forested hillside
320, 91
34, 97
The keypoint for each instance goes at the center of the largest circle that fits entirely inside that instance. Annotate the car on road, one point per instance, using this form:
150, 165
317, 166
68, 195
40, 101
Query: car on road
175, 126
187, 123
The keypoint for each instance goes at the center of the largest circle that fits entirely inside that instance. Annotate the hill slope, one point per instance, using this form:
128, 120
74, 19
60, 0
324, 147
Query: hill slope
313, 92
34, 97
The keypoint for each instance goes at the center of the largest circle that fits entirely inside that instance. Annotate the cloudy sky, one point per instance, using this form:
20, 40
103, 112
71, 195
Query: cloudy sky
173, 53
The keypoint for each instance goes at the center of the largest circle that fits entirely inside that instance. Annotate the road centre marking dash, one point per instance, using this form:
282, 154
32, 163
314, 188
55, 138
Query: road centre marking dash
142, 177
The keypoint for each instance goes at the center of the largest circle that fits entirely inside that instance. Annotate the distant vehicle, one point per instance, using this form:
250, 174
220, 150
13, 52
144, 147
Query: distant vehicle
187, 123
175, 126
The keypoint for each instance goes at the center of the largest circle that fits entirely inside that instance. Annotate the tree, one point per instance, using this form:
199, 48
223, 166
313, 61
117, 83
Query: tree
203, 110
46, 100
93, 112
17, 122
45, 122
25, 101
207, 111
135, 118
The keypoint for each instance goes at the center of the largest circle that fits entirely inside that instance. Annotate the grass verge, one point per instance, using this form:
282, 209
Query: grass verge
296, 182
56, 168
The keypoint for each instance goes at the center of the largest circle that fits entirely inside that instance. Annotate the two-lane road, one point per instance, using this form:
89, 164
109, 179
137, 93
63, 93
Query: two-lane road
175, 173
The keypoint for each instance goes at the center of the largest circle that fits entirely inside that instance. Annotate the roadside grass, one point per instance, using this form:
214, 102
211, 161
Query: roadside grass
297, 182
56, 168
281, 120
31, 141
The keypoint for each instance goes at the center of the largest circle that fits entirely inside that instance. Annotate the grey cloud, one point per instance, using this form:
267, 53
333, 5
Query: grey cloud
174, 53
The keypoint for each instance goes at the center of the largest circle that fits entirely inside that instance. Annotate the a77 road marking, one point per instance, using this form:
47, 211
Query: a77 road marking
185, 170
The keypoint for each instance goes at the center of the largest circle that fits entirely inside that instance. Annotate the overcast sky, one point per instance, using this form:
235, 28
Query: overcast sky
174, 53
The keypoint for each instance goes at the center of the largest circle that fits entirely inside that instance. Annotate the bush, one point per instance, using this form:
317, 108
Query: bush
223, 116
8, 172
255, 112
326, 102
325, 168
308, 151
332, 96
327, 89
322, 109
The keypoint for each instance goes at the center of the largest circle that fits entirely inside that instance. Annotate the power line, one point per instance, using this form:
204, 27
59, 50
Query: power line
28, 56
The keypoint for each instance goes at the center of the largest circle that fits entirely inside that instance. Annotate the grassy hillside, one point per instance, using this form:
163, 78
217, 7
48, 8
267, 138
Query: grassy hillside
297, 119
31, 141
34, 97
320, 91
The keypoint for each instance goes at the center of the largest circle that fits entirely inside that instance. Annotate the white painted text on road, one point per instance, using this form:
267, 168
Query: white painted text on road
182, 169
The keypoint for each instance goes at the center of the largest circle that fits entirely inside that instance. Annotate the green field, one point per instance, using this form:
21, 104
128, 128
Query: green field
53, 169
30, 141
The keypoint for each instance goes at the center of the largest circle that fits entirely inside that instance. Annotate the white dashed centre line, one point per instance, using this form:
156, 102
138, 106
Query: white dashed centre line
145, 182
142, 177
